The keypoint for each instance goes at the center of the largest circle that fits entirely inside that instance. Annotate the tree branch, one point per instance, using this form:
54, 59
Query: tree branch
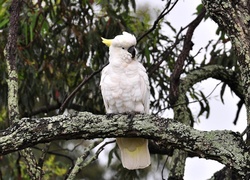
164, 12
233, 17
10, 54
73, 93
230, 77
11, 58
226, 147
80, 162
178, 68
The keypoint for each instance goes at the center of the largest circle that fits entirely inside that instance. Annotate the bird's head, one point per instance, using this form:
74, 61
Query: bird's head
122, 46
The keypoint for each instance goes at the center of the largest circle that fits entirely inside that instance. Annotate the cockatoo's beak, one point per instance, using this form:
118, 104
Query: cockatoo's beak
108, 42
132, 51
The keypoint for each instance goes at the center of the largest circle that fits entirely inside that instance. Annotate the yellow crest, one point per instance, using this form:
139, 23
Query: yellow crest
108, 42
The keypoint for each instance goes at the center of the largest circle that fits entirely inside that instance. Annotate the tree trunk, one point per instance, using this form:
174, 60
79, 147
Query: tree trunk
234, 18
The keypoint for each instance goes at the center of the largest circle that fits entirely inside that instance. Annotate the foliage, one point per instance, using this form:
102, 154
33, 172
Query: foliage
59, 45
53, 167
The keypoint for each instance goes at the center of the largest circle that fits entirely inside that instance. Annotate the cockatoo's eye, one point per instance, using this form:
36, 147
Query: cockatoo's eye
123, 47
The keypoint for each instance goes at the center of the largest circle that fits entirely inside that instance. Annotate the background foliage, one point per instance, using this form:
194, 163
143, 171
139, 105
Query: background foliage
59, 45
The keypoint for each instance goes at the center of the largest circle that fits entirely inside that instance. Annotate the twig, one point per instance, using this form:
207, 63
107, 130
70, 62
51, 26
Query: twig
18, 166
195, 101
246, 130
43, 155
72, 94
162, 170
79, 164
102, 147
57, 154
162, 14
80, 160
42, 109
153, 68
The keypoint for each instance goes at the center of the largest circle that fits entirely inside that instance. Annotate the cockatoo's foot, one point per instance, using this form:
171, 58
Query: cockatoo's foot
131, 115
110, 115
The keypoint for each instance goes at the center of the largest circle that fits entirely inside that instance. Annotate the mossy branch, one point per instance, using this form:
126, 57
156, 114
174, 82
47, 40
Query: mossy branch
234, 18
10, 55
225, 146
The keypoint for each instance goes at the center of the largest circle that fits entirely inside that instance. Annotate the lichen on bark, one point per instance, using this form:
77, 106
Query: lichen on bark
226, 147
234, 18
11, 57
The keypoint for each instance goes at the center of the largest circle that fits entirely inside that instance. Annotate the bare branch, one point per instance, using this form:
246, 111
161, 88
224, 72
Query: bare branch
80, 162
178, 69
35, 172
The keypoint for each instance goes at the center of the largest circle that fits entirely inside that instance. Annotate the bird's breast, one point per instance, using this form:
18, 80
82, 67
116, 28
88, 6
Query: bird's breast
121, 90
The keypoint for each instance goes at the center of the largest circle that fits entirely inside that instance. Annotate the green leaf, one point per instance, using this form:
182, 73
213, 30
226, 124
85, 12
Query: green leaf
4, 22
199, 8
204, 104
110, 156
222, 91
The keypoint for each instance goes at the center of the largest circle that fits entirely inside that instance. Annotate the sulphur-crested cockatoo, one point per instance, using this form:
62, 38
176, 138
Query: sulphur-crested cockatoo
125, 88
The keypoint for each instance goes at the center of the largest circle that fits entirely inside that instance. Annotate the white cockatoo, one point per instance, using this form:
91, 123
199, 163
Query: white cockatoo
125, 88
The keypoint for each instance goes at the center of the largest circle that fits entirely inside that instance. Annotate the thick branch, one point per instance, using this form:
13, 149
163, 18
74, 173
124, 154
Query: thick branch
230, 77
11, 58
10, 54
226, 147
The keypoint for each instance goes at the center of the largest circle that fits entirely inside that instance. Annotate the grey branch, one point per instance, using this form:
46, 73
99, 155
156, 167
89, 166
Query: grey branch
225, 146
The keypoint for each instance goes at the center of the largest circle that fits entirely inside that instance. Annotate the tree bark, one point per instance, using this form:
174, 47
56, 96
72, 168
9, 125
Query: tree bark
10, 54
33, 169
234, 18
226, 147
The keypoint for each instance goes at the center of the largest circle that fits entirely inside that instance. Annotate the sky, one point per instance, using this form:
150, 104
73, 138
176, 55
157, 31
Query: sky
221, 115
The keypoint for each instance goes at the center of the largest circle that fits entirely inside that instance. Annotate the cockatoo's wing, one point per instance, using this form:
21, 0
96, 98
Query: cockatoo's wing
105, 94
145, 88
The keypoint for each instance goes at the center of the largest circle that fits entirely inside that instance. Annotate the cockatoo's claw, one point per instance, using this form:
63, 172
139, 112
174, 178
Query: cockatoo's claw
110, 115
131, 115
